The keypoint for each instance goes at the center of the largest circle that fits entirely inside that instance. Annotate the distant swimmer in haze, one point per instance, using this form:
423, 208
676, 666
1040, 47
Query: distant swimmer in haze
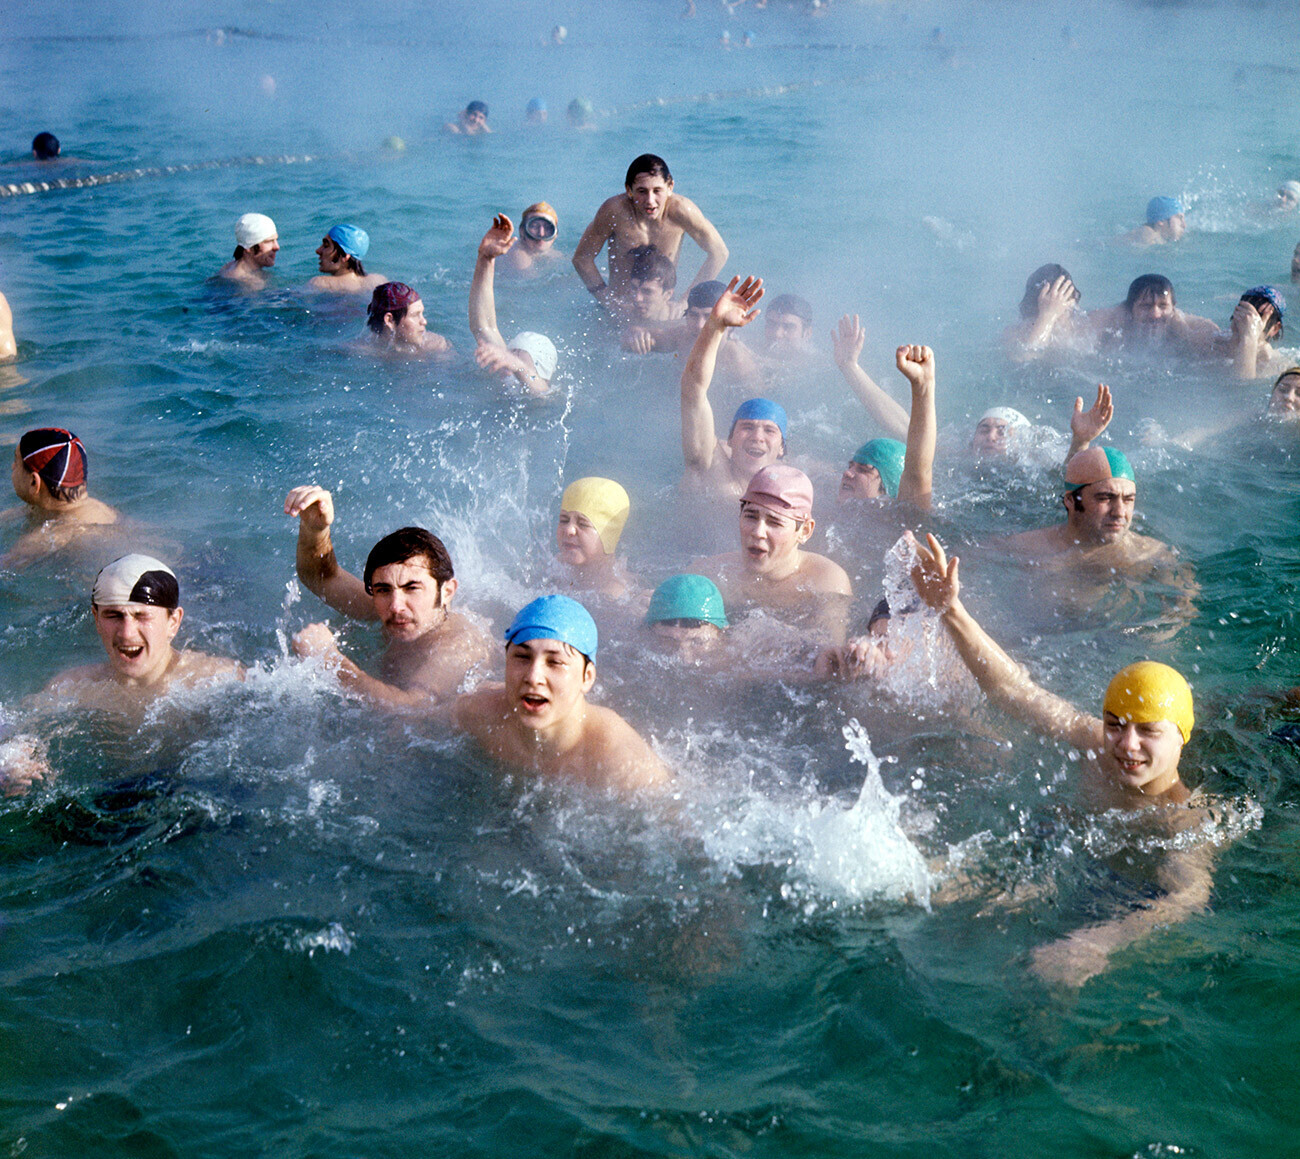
1256, 322
787, 329
395, 316
8, 345
757, 435
470, 121
1165, 223
539, 225
535, 112
1149, 320
593, 512
256, 244
1131, 761
1050, 317
648, 212
408, 586
340, 253
46, 147
540, 721
530, 357
49, 476
772, 570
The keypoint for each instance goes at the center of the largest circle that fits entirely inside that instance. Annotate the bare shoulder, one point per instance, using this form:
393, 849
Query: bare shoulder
480, 712
683, 210
619, 754
825, 575
71, 679
193, 667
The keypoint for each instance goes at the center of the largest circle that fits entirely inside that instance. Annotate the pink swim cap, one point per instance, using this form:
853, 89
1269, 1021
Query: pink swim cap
783, 489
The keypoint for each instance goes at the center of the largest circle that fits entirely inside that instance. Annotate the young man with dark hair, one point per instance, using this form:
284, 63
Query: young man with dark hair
395, 317
340, 253
1149, 317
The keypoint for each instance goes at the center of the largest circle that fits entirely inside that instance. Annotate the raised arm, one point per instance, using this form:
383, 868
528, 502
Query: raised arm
1086, 425
588, 249
917, 482
318, 566
1002, 680
1055, 299
735, 308
705, 235
482, 303
847, 340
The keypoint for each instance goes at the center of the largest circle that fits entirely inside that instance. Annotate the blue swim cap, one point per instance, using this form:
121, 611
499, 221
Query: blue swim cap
1270, 293
351, 240
762, 410
1162, 209
887, 456
555, 618
687, 597
536, 105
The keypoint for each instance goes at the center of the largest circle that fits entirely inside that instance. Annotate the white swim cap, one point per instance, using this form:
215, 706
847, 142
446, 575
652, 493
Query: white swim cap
1004, 414
253, 229
541, 348
136, 579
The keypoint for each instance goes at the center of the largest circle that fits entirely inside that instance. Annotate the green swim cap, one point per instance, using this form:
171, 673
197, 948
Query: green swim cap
687, 597
887, 456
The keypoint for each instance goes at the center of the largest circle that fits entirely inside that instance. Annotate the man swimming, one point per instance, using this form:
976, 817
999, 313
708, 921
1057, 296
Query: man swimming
540, 720
256, 243
471, 121
652, 279
529, 357
687, 617
539, 226
1256, 322
397, 324
49, 476
593, 512
1149, 318
408, 586
1165, 223
1050, 317
787, 328
772, 570
648, 212
1132, 753
340, 253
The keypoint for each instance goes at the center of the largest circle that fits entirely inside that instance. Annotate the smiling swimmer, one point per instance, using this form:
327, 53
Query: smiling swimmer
257, 241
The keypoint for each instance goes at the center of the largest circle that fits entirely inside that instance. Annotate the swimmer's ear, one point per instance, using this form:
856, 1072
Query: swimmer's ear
174, 618
588, 674
446, 590
806, 529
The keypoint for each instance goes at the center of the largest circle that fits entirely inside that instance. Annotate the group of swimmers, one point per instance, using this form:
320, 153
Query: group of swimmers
538, 716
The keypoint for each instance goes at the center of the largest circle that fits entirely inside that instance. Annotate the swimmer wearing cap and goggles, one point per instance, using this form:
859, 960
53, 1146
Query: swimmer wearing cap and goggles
530, 357
539, 226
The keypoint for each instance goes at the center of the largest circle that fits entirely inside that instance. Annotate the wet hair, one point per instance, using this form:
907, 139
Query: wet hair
1259, 301
353, 264
45, 146
1153, 284
239, 252
407, 543
476, 107
647, 163
650, 264
791, 304
1043, 276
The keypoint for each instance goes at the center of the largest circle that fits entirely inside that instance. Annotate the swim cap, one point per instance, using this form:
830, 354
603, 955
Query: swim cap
687, 597
1290, 188
56, 455
136, 579
351, 240
477, 107
1162, 209
555, 618
1146, 691
536, 105
1096, 465
580, 109
602, 501
761, 410
887, 456
1004, 414
392, 296
253, 229
781, 488
541, 348
1272, 295
532, 221
705, 296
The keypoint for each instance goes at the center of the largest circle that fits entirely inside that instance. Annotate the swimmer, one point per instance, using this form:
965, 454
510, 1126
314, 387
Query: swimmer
772, 570
1050, 317
1132, 754
1165, 223
787, 329
757, 435
408, 586
1284, 401
397, 324
340, 253
678, 336
256, 244
46, 147
471, 121
8, 345
580, 114
997, 432
867, 657
593, 512
535, 112
884, 469
539, 225
49, 476
1149, 317
530, 357
1288, 197
648, 212
687, 618
1256, 322
540, 720
651, 282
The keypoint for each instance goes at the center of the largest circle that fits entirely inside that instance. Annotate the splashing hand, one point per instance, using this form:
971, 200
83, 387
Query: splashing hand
935, 575
737, 306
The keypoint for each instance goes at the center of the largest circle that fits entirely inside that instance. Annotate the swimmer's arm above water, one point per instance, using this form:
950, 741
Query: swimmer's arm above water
1086, 425
847, 341
1029, 339
482, 301
703, 233
594, 237
318, 641
916, 485
318, 566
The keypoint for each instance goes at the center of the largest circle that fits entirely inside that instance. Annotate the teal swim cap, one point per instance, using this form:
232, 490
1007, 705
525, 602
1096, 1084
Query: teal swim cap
687, 597
555, 618
1096, 465
887, 456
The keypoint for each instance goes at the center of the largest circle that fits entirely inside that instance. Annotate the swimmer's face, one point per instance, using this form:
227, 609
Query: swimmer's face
1142, 758
332, 259
649, 300
649, 194
1153, 311
861, 481
768, 540
991, 437
408, 600
138, 640
410, 330
1103, 511
474, 122
546, 682
1285, 400
689, 639
786, 332
755, 443
1286, 200
1175, 227
577, 540
263, 254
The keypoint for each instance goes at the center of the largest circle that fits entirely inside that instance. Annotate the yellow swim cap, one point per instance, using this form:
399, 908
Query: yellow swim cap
602, 501
1146, 692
